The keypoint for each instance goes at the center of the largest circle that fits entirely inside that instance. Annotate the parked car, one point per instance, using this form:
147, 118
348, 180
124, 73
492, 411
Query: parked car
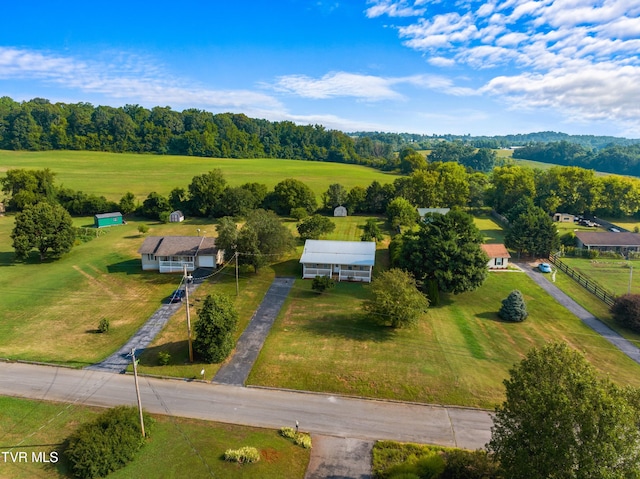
176, 296
544, 267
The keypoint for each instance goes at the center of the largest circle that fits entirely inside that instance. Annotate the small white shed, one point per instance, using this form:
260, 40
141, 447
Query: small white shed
176, 217
340, 211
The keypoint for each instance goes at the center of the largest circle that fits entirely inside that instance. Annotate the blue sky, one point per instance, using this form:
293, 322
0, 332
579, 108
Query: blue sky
422, 66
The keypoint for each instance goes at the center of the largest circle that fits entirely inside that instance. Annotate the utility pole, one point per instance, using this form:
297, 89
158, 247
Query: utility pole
237, 286
186, 290
135, 377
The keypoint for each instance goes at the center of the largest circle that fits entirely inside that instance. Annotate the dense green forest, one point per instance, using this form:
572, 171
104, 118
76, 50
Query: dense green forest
622, 160
38, 124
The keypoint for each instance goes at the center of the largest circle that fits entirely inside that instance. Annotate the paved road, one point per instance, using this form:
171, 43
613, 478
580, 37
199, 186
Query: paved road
340, 458
585, 316
324, 414
237, 369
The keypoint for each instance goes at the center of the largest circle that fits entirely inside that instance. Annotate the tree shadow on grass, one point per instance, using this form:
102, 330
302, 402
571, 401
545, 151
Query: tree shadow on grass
7, 258
356, 327
492, 316
178, 351
130, 266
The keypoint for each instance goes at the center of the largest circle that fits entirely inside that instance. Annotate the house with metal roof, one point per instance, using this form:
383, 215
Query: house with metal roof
621, 242
170, 254
344, 260
498, 255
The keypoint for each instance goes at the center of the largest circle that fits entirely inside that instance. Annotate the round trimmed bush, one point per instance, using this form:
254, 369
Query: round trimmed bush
513, 307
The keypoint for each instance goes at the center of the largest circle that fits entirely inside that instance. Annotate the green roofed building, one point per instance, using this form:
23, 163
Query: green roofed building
107, 219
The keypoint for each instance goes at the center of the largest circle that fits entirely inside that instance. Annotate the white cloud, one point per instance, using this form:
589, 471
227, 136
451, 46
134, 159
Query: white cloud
579, 57
441, 61
338, 84
363, 87
122, 76
393, 8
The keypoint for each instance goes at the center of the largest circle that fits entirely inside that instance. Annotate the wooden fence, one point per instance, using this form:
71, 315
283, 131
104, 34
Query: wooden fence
587, 283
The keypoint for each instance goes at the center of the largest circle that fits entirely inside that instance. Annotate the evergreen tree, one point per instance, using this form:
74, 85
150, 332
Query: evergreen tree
513, 307
215, 327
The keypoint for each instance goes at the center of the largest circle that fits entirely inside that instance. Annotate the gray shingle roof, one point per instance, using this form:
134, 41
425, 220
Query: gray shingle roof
593, 238
179, 246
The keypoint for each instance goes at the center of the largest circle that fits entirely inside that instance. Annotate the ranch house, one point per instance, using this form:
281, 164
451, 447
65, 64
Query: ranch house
169, 254
342, 260
608, 241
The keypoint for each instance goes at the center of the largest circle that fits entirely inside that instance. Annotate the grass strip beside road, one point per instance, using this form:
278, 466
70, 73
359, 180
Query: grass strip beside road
176, 447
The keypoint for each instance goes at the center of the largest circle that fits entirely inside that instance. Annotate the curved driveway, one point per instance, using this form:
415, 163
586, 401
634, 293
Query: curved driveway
624, 345
316, 413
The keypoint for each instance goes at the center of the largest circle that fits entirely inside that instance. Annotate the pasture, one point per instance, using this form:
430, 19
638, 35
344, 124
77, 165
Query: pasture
113, 174
176, 445
616, 275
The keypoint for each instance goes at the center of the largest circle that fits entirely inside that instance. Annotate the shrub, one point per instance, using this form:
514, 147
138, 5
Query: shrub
513, 307
163, 358
287, 432
626, 311
302, 439
299, 438
322, 283
244, 455
103, 326
143, 229
106, 444
299, 213
461, 464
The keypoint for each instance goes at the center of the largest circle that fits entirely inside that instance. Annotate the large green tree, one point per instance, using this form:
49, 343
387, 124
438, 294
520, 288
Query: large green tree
336, 195
396, 300
315, 226
205, 192
560, 419
27, 187
291, 193
401, 212
45, 227
509, 184
533, 232
446, 250
214, 329
263, 239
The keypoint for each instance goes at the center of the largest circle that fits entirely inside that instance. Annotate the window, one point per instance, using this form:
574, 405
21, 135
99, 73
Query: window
499, 261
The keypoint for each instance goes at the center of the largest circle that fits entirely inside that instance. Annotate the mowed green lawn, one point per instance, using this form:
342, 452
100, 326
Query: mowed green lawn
459, 353
612, 274
50, 311
113, 174
177, 447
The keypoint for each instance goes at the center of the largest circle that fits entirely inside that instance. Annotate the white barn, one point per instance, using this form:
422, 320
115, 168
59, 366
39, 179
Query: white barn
345, 260
169, 254
340, 211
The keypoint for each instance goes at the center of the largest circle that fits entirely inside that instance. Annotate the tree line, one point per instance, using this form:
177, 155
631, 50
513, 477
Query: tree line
618, 159
38, 124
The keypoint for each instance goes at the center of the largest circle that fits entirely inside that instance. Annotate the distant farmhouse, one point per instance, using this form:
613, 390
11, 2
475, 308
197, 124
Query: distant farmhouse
498, 255
169, 254
345, 260
608, 241
107, 219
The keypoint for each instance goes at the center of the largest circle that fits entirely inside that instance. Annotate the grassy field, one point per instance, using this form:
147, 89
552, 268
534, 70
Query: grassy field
490, 229
176, 445
113, 174
50, 311
459, 353
611, 274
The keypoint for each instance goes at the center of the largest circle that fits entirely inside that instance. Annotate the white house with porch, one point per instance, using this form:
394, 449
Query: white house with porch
344, 260
169, 254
